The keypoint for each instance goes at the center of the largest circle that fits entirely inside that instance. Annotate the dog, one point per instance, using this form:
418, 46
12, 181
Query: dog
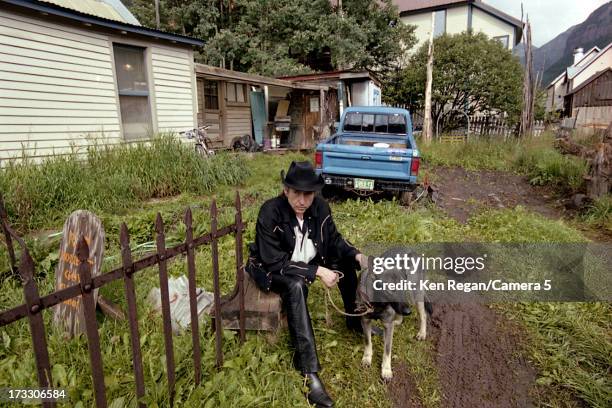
389, 310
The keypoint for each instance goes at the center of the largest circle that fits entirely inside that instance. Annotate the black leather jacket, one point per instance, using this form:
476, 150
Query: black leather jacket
275, 240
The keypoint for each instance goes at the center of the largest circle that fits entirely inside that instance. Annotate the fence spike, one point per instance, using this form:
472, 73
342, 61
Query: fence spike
130, 293
217, 290
165, 305
193, 299
91, 324
240, 268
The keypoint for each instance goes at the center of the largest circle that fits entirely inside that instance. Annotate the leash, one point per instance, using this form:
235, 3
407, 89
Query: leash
366, 303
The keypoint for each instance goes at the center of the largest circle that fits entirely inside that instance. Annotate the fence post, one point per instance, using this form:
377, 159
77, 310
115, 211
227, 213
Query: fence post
193, 297
217, 289
130, 292
91, 325
37, 326
239, 266
165, 304
9, 241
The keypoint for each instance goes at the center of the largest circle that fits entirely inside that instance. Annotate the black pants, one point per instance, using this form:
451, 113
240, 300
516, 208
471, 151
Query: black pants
293, 291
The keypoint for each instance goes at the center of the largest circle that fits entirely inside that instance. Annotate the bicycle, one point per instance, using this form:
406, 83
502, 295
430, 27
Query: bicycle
203, 144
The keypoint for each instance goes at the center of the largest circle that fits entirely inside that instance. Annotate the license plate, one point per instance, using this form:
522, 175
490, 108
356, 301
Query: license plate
364, 184
396, 158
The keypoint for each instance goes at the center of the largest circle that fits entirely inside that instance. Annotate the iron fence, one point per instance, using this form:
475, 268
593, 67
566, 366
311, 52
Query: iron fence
35, 304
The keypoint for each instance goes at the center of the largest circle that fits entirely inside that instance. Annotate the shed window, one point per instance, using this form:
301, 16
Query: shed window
504, 39
235, 93
439, 23
211, 95
133, 90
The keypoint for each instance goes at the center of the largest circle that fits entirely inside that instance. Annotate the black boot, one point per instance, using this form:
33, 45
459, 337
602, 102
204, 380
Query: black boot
316, 391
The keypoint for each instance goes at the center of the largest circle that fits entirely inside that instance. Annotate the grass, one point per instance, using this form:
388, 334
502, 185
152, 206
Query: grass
111, 179
536, 158
571, 364
599, 213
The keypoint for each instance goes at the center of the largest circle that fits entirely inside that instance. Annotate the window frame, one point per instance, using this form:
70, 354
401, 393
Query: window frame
445, 22
149, 94
503, 37
235, 85
206, 95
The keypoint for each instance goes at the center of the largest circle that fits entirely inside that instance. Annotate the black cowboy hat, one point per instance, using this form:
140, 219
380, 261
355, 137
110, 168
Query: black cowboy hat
301, 176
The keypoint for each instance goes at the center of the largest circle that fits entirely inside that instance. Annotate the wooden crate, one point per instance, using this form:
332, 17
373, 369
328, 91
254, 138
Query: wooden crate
263, 311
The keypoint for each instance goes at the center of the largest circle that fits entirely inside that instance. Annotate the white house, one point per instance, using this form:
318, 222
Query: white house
69, 76
558, 88
456, 16
586, 66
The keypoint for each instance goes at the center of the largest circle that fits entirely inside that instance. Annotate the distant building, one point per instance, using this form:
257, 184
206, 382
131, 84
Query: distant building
456, 16
559, 87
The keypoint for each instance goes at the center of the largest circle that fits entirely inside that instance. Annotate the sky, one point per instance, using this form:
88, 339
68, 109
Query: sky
549, 18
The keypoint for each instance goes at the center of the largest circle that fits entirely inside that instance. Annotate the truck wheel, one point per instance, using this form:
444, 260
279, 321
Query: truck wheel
405, 197
328, 191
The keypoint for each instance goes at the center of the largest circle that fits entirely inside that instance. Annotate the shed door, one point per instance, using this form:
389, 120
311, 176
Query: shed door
209, 109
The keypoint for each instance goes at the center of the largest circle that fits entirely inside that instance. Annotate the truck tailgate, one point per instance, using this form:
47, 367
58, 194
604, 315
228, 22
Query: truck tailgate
375, 162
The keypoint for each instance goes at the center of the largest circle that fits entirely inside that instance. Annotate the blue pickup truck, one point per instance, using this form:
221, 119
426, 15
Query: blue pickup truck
372, 151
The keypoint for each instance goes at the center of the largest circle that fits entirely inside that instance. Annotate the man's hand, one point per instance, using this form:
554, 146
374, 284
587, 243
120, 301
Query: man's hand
328, 276
363, 260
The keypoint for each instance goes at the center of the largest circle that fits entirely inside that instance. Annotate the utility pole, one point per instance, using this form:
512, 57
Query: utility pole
157, 14
427, 123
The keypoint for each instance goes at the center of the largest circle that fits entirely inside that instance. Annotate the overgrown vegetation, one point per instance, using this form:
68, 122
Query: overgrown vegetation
110, 179
569, 343
599, 213
536, 158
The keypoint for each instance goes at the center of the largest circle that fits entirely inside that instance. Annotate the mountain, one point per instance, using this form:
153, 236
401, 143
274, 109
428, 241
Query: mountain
557, 54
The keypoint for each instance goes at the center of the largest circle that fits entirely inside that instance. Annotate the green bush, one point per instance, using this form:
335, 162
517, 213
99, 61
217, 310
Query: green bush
111, 179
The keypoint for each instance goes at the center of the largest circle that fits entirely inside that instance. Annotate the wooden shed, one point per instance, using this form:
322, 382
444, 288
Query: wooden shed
591, 103
236, 103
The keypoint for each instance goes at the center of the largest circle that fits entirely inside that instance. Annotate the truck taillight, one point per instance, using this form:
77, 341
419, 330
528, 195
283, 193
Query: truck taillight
318, 159
414, 167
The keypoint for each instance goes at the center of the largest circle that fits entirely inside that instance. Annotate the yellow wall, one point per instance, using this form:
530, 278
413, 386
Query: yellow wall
492, 26
456, 20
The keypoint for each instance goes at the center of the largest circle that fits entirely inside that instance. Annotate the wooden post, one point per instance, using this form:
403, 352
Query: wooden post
526, 128
427, 123
217, 289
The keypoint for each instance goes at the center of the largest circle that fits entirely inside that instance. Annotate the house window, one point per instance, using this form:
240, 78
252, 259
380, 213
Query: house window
235, 93
211, 95
439, 23
504, 39
133, 90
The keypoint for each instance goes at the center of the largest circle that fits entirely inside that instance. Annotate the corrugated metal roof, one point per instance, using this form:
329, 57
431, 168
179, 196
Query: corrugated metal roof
93, 7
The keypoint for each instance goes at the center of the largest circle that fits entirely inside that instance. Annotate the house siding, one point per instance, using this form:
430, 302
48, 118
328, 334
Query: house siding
456, 20
491, 26
602, 62
174, 92
422, 21
56, 88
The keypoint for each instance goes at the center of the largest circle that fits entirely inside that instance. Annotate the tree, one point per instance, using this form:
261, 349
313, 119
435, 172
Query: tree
471, 72
283, 37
